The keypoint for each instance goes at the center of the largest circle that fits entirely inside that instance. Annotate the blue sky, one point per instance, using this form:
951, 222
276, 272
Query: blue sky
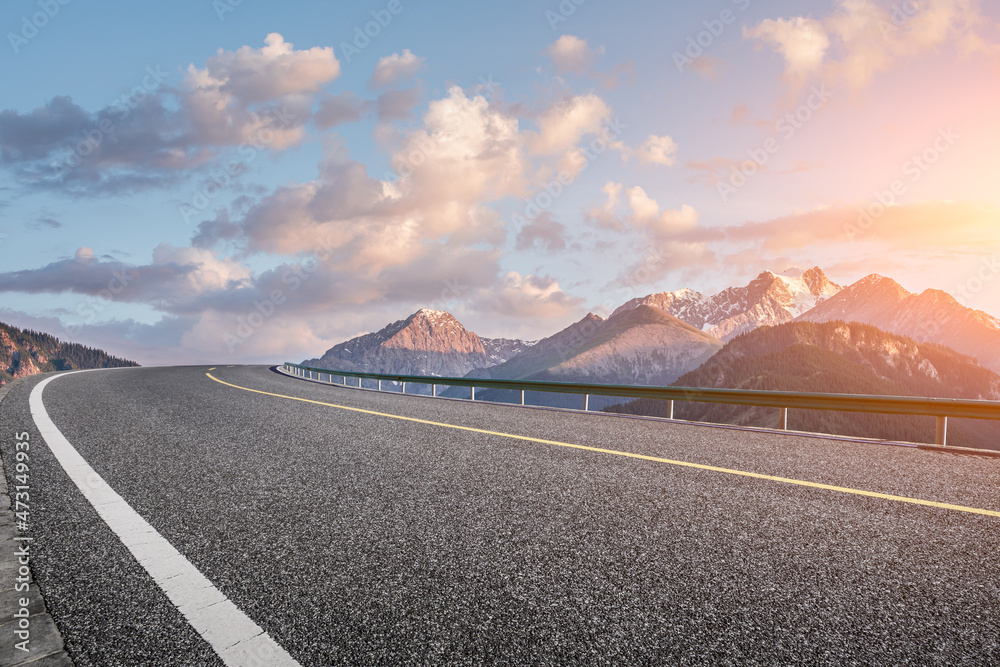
331, 227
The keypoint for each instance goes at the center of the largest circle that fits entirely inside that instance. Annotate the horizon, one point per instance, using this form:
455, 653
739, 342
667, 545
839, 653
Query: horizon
284, 162
607, 315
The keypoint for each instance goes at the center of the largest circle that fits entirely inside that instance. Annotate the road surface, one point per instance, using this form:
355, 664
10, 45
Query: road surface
356, 527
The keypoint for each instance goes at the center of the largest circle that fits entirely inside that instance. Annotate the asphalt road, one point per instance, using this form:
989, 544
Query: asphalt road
355, 538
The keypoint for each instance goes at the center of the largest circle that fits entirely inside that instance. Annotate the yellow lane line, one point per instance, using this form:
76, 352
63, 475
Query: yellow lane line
643, 457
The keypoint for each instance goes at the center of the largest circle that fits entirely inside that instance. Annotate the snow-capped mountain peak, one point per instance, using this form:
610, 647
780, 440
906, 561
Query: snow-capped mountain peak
771, 298
807, 289
433, 314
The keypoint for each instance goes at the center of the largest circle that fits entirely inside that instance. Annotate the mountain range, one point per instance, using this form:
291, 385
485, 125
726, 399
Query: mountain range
428, 342
642, 345
837, 357
24, 352
669, 337
769, 299
931, 316
431, 342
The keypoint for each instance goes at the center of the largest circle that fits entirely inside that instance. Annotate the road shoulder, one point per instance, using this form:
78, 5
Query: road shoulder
46, 644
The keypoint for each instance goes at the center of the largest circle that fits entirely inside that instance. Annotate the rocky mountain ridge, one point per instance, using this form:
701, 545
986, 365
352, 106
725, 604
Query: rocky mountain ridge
435, 343
931, 316
428, 342
770, 299
643, 345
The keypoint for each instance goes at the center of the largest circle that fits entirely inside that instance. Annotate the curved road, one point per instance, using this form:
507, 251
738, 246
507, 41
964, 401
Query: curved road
363, 528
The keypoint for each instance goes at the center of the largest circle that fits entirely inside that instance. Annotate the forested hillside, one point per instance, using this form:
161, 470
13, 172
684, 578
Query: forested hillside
25, 352
836, 357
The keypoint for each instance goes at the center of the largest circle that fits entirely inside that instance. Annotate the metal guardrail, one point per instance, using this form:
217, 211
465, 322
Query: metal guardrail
941, 408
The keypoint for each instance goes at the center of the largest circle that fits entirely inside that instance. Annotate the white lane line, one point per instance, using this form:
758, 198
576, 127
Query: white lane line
238, 640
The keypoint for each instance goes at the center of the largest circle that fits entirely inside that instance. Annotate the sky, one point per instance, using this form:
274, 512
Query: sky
209, 181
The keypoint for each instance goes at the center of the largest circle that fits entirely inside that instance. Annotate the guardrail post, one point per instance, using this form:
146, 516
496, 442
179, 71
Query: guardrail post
941, 436
901, 405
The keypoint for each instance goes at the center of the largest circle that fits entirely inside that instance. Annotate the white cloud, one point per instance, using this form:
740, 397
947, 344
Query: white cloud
571, 54
562, 125
261, 96
803, 43
395, 68
644, 209
240, 94
527, 296
206, 271
643, 214
657, 151
862, 38
252, 76
465, 156
607, 215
